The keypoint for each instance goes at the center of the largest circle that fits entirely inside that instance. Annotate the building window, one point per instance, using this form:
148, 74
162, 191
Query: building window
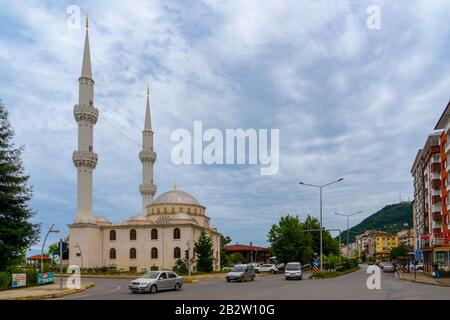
165, 210
176, 233
132, 269
181, 209
189, 210
154, 253
112, 235
132, 253
195, 211
173, 210
177, 253
112, 253
157, 210
154, 234
132, 234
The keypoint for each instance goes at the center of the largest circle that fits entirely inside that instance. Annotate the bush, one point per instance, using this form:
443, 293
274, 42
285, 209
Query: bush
5, 280
31, 277
180, 267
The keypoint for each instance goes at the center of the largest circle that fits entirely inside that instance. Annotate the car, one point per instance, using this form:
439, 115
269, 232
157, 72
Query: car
241, 273
293, 270
418, 266
155, 281
280, 266
271, 268
388, 267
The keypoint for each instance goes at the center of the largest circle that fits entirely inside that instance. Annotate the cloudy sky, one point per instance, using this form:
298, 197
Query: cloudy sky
349, 101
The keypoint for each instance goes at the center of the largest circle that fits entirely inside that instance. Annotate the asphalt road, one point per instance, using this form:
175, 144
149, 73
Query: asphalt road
350, 286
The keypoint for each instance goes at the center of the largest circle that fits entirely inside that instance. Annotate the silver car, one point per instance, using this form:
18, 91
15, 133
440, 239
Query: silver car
388, 267
154, 281
293, 270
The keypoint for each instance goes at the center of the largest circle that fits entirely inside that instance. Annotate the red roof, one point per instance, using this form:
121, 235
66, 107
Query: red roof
243, 247
38, 257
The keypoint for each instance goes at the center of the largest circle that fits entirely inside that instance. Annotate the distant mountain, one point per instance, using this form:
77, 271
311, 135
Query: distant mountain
392, 218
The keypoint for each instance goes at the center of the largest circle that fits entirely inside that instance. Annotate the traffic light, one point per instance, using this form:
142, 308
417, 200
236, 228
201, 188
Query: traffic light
186, 254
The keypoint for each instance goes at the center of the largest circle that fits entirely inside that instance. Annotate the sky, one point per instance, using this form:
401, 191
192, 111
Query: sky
349, 101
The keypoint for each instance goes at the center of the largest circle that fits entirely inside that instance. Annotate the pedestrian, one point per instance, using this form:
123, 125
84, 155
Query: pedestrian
436, 274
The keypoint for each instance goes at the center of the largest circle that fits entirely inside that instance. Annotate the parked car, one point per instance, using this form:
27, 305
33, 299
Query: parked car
388, 267
241, 272
271, 268
154, 281
418, 266
293, 270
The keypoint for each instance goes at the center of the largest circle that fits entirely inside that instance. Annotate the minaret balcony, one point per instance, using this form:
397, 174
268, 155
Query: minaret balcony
85, 159
85, 113
147, 189
147, 156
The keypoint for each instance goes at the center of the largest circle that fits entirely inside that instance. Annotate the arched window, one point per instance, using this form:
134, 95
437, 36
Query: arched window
176, 233
132, 234
177, 253
154, 234
112, 235
132, 253
112, 253
189, 210
154, 253
165, 210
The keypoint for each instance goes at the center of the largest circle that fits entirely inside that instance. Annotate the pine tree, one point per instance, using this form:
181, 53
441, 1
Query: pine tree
17, 234
203, 249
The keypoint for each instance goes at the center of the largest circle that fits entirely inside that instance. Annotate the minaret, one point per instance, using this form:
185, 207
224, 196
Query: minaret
148, 158
84, 159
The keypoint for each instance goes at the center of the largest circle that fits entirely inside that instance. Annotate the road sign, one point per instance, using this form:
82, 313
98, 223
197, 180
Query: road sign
418, 255
315, 267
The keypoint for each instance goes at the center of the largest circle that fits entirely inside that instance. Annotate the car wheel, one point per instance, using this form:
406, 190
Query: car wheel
253, 278
228, 280
301, 277
272, 272
242, 279
177, 287
256, 271
153, 289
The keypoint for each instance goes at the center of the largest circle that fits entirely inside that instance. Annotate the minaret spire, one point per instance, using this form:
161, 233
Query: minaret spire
148, 158
86, 71
84, 159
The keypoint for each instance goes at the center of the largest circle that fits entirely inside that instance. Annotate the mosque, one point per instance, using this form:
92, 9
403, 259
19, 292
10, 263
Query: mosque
153, 240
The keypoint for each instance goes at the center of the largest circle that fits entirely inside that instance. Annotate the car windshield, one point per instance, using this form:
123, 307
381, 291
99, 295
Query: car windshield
293, 266
151, 275
387, 264
238, 269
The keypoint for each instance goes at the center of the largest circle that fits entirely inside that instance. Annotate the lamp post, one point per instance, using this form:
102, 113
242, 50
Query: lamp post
347, 216
321, 231
81, 254
43, 244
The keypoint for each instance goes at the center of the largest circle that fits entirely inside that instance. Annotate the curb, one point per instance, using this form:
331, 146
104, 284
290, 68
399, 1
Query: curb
311, 277
423, 282
54, 295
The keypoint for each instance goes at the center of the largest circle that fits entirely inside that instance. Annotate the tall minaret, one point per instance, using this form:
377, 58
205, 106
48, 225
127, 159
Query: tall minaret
84, 159
148, 158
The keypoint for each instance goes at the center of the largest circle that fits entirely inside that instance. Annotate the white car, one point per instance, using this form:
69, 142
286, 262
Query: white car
271, 268
154, 281
293, 270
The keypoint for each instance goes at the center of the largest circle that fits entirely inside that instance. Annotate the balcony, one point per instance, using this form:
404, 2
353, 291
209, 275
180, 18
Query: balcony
436, 183
440, 241
436, 167
436, 199
437, 216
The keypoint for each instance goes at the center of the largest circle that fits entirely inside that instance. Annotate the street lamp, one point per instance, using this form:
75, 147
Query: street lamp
43, 244
321, 229
347, 216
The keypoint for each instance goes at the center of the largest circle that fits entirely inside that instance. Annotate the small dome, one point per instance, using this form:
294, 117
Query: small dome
102, 219
138, 217
175, 197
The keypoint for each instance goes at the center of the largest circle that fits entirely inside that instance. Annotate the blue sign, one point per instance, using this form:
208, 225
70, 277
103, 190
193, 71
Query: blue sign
44, 278
315, 264
418, 255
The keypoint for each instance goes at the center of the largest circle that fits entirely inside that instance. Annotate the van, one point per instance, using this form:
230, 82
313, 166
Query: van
293, 270
241, 272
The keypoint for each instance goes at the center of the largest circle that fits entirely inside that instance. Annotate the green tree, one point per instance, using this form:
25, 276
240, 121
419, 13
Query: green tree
329, 245
289, 242
223, 254
401, 250
16, 232
203, 249
236, 257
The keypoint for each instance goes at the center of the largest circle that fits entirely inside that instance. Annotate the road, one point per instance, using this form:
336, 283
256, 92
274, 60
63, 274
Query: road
350, 286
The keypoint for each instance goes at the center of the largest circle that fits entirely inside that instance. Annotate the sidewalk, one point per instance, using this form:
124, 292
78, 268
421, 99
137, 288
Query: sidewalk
42, 292
423, 278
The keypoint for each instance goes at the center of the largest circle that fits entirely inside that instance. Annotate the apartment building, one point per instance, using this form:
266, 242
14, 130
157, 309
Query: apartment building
431, 208
381, 243
406, 237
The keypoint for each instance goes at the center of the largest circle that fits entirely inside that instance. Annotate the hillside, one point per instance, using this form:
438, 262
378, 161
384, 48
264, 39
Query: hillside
391, 218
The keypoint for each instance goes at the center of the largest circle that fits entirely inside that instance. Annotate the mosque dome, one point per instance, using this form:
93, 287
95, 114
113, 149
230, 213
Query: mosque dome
102, 220
176, 197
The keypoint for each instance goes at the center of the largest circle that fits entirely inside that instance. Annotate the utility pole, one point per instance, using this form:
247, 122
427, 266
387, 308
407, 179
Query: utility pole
348, 231
321, 236
188, 257
60, 263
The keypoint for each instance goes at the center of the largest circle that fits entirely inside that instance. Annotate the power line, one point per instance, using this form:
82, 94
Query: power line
119, 131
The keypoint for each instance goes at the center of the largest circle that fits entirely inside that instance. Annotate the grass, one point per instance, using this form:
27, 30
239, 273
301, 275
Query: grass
332, 274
